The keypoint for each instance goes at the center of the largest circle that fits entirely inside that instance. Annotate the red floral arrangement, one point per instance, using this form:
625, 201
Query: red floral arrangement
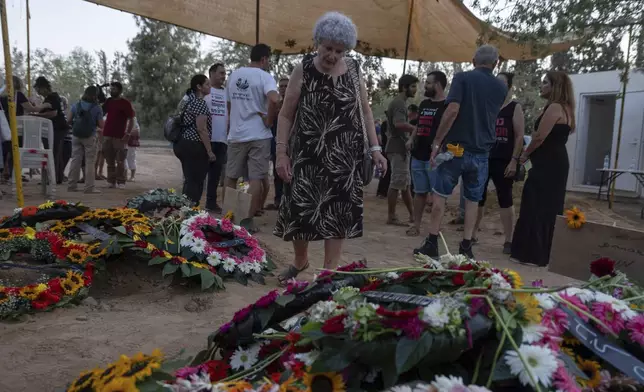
602, 267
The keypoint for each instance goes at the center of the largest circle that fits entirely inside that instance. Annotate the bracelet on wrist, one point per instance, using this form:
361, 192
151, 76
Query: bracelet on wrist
375, 148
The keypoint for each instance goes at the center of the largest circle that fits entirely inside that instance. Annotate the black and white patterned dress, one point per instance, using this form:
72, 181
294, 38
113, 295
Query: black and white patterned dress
326, 147
194, 107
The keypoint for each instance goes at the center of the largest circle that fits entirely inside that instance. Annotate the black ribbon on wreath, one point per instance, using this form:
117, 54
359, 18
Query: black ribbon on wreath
61, 212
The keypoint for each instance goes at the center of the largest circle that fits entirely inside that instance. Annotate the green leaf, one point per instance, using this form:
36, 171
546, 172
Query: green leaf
284, 300
207, 279
157, 260
334, 360
151, 383
185, 270
120, 229
187, 253
502, 370
241, 277
169, 269
259, 278
194, 271
410, 352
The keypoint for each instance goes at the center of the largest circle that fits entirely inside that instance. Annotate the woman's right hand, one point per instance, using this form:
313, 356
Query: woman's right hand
283, 166
211, 156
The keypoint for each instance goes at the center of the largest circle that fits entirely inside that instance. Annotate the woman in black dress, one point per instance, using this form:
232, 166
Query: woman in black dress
545, 189
321, 132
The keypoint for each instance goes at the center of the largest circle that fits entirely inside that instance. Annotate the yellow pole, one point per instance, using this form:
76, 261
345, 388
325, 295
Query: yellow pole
11, 104
28, 53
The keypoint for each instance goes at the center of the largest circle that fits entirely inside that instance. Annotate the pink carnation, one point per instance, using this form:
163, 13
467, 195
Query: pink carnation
562, 381
267, 300
551, 340
556, 320
199, 234
256, 254
241, 233
636, 329
295, 286
225, 328
251, 242
242, 314
612, 319
226, 225
578, 303
187, 372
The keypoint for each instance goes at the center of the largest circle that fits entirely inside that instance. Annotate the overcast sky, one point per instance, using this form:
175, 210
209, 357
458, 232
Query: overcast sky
62, 25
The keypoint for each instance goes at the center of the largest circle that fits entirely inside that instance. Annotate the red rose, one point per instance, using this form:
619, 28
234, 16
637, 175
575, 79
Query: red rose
602, 267
372, 286
399, 314
458, 280
334, 325
141, 244
157, 253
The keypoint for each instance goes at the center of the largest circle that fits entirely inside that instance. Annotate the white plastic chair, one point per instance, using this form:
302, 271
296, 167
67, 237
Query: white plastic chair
33, 155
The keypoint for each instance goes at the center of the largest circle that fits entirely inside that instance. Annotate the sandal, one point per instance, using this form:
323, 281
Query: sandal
290, 273
412, 232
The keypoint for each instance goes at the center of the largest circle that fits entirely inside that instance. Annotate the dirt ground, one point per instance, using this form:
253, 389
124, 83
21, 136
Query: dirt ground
133, 309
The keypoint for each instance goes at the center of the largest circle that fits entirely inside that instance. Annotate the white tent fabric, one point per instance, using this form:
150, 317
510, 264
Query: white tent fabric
441, 30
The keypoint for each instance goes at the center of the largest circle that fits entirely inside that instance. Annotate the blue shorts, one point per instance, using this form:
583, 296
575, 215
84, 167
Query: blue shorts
474, 170
421, 176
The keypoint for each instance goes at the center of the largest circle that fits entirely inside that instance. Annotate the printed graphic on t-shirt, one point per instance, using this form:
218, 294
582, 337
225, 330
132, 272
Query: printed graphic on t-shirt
242, 90
426, 121
501, 130
218, 105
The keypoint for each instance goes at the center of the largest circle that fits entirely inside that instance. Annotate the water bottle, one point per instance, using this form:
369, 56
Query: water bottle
606, 161
443, 157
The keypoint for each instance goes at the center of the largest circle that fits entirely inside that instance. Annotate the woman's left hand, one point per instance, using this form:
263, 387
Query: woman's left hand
524, 158
380, 161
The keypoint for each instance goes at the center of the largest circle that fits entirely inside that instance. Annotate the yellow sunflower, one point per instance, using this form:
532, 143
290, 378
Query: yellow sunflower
5, 235
171, 190
528, 307
198, 265
82, 218
101, 214
104, 376
324, 381
32, 292
239, 386
84, 382
592, 369
575, 218
515, 277
72, 283
167, 254
141, 229
68, 224
96, 251
289, 385
75, 277
77, 256
120, 384
45, 205
229, 215
571, 341
58, 228
141, 366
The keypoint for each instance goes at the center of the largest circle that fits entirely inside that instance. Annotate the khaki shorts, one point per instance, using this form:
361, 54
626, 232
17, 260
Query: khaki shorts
400, 177
249, 158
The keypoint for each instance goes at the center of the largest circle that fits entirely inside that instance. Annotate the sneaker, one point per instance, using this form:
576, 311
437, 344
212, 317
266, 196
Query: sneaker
93, 191
428, 248
120, 186
465, 251
507, 248
111, 185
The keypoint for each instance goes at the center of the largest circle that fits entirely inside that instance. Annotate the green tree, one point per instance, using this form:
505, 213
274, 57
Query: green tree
162, 60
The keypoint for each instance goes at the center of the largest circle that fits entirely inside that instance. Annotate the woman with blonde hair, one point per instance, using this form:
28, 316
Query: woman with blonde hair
322, 129
544, 192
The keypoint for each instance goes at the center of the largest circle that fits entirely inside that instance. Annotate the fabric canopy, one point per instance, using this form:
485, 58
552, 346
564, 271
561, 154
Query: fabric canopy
441, 30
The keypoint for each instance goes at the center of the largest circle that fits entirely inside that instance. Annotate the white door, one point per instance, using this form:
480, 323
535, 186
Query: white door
630, 149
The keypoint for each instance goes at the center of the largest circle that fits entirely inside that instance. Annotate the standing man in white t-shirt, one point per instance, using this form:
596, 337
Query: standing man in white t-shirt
252, 100
216, 102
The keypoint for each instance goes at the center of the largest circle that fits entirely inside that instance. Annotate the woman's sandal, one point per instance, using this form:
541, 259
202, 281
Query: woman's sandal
290, 273
412, 232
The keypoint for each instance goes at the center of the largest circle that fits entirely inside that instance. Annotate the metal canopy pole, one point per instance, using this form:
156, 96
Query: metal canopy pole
256, 22
17, 170
411, 13
28, 52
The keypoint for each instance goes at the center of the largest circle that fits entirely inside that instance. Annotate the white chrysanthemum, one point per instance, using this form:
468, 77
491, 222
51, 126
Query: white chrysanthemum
195, 382
401, 388
256, 267
541, 361
245, 267
322, 311
392, 275
17, 210
446, 383
213, 259
436, 314
187, 240
533, 333
308, 358
499, 282
198, 245
229, 264
584, 295
243, 359
546, 302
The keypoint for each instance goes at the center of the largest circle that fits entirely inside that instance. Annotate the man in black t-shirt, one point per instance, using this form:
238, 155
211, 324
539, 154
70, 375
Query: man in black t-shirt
57, 116
420, 143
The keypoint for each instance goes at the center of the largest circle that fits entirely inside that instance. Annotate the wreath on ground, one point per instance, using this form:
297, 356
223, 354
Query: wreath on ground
71, 285
104, 219
50, 210
159, 199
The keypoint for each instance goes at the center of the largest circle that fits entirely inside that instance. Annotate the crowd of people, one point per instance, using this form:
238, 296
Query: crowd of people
88, 134
317, 126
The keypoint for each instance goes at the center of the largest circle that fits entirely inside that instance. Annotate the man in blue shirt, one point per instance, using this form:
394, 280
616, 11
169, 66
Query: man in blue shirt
467, 129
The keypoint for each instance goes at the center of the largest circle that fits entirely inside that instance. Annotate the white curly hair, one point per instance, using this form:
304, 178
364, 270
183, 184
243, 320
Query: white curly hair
337, 28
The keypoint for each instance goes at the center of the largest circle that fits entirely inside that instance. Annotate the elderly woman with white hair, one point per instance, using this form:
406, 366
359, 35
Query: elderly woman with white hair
322, 130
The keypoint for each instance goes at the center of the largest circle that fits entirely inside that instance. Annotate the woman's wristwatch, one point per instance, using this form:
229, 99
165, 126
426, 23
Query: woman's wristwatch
375, 148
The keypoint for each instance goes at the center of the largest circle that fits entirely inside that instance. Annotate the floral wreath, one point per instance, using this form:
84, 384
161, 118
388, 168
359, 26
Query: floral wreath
575, 219
229, 248
159, 199
49, 210
106, 218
